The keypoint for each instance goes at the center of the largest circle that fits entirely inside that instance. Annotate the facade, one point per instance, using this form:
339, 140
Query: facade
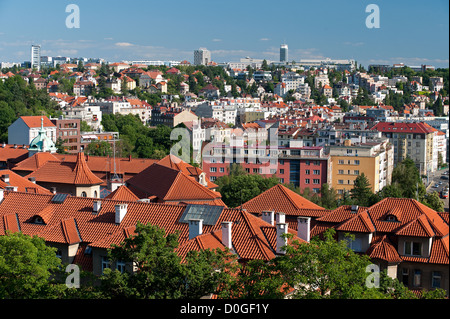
413, 140
303, 167
69, 131
36, 57
202, 56
284, 54
26, 128
349, 160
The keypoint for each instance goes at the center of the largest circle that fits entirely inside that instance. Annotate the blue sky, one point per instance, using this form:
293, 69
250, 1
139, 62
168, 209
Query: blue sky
412, 32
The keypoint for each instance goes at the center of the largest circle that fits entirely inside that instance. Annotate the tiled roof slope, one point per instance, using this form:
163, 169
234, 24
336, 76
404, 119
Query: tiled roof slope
281, 199
391, 218
74, 221
77, 173
22, 183
168, 184
123, 193
34, 162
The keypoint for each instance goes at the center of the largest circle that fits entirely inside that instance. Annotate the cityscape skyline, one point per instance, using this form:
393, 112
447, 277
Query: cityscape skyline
230, 32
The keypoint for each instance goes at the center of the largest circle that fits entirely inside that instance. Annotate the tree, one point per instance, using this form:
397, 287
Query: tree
433, 201
26, 267
361, 192
159, 272
328, 198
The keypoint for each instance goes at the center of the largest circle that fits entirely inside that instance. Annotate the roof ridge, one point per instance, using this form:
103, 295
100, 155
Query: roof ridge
254, 234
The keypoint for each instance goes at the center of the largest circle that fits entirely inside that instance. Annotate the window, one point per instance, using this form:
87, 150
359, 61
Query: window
413, 248
59, 253
105, 263
405, 276
356, 162
340, 181
435, 279
307, 172
316, 190
307, 181
356, 172
213, 169
417, 277
341, 162
316, 181
341, 171
355, 244
83, 194
281, 171
221, 169
316, 172
120, 266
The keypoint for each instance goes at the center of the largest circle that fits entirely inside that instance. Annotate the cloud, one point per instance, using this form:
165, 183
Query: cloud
354, 44
123, 44
216, 40
264, 39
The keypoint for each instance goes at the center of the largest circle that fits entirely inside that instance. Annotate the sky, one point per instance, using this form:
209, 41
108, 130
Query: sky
410, 31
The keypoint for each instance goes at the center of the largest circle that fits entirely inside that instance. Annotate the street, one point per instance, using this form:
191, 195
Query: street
439, 181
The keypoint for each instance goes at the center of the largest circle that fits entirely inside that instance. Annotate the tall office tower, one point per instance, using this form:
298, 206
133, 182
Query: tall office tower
36, 57
202, 56
284, 53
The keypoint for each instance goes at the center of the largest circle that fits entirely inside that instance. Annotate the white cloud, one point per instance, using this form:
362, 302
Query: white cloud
216, 40
264, 39
123, 44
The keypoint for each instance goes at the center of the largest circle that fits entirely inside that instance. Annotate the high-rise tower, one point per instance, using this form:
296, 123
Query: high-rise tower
284, 53
36, 57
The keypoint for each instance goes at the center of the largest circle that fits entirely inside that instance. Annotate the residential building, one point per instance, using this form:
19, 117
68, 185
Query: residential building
202, 56
413, 140
11, 154
23, 130
36, 57
373, 158
89, 113
74, 178
171, 116
11, 181
69, 131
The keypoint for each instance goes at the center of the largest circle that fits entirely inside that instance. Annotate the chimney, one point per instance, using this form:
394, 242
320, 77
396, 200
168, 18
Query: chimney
281, 218
355, 209
121, 210
32, 179
268, 216
53, 190
2, 194
303, 228
5, 178
226, 234
195, 227
96, 207
4, 145
15, 145
282, 229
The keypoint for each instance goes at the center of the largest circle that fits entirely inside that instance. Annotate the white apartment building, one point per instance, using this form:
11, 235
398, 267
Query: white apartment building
91, 114
36, 57
321, 80
23, 130
202, 56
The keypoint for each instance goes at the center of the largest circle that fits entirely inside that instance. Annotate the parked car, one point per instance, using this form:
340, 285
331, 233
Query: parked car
444, 177
444, 194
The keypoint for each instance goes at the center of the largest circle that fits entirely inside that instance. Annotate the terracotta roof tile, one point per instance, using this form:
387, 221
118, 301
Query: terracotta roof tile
418, 227
281, 199
384, 250
11, 222
77, 173
359, 223
35, 121
123, 193
22, 183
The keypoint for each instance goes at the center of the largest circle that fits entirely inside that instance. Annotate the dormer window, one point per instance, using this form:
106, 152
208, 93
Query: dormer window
38, 220
391, 218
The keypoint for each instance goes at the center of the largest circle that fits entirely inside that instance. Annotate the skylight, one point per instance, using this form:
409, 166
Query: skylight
209, 213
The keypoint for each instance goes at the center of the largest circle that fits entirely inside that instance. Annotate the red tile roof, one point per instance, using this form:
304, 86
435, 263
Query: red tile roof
281, 199
169, 185
22, 183
77, 173
34, 162
74, 221
384, 250
398, 127
123, 193
35, 121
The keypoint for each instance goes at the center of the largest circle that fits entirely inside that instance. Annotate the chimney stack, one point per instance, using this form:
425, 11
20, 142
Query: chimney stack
96, 207
2, 194
195, 227
53, 190
32, 179
282, 229
303, 229
281, 218
268, 216
226, 234
5, 178
121, 210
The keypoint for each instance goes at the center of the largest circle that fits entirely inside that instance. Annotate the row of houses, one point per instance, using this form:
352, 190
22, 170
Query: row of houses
402, 236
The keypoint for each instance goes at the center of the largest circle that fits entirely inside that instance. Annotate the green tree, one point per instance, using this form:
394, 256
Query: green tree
160, 272
328, 197
361, 192
26, 267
